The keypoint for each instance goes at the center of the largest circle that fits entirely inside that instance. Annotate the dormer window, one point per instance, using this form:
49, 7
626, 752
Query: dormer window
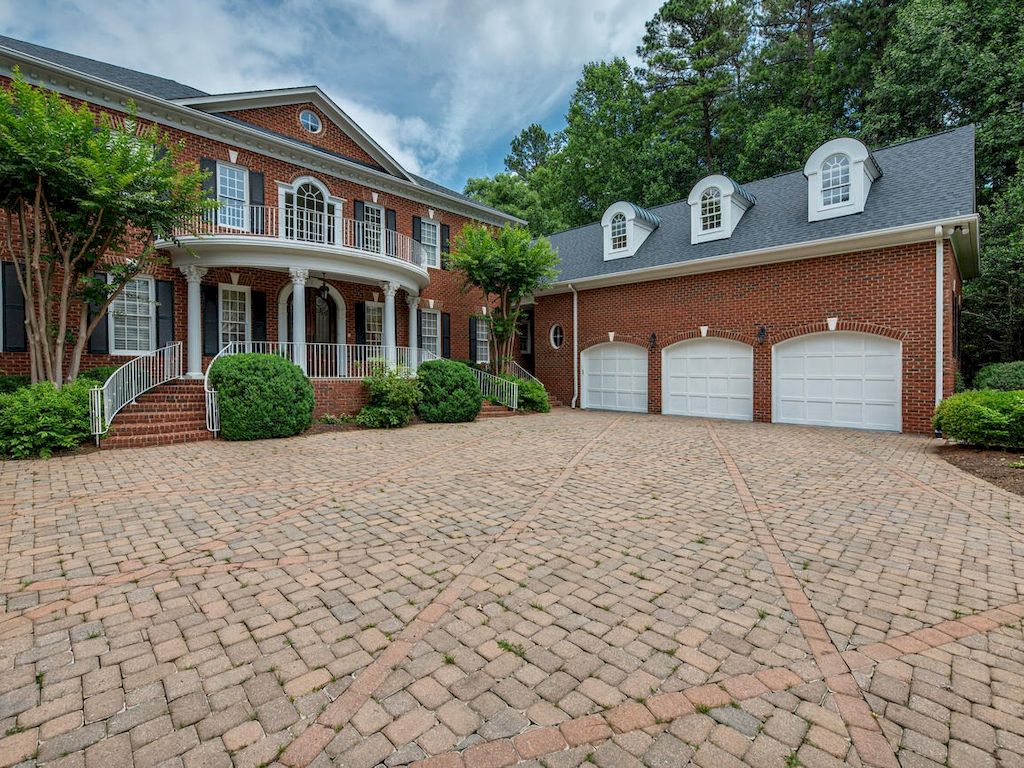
835, 180
711, 209
717, 203
626, 227
619, 239
839, 177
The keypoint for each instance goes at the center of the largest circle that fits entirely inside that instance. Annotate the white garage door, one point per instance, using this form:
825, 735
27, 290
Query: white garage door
708, 377
615, 377
838, 379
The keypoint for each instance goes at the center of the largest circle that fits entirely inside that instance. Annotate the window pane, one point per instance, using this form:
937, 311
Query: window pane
430, 327
711, 209
373, 220
483, 349
835, 180
428, 239
374, 324
618, 231
131, 317
233, 315
231, 195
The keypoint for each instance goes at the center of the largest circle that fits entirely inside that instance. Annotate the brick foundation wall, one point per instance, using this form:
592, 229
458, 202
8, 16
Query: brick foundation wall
338, 397
889, 291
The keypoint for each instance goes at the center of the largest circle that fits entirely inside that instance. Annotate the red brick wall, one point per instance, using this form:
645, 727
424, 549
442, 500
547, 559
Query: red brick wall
889, 291
337, 397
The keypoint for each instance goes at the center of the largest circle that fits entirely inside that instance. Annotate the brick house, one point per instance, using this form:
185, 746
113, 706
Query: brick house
829, 296
323, 245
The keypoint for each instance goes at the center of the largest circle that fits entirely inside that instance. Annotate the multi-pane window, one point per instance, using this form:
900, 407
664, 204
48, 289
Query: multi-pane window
483, 348
132, 318
711, 209
310, 121
618, 232
234, 314
429, 241
231, 193
373, 225
835, 180
430, 331
374, 324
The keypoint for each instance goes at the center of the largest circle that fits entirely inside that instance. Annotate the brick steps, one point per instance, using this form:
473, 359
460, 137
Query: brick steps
171, 413
492, 411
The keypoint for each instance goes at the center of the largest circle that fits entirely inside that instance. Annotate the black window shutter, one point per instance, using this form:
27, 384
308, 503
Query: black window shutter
419, 330
14, 310
257, 222
209, 167
417, 229
472, 339
360, 322
259, 316
391, 219
446, 245
446, 335
211, 319
99, 340
164, 312
358, 211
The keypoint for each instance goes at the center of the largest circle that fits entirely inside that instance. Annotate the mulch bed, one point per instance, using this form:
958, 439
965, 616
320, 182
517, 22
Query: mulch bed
991, 465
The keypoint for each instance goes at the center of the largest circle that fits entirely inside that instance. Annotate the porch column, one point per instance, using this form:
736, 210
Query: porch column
299, 315
389, 321
194, 276
414, 303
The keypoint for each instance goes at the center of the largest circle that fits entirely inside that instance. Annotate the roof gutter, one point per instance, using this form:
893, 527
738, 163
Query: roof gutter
163, 109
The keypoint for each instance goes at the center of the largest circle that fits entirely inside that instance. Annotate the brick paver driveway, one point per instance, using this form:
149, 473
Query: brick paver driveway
555, 590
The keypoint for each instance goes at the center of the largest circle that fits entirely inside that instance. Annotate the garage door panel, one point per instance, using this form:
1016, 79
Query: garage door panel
615, 377
708, 377
838, 379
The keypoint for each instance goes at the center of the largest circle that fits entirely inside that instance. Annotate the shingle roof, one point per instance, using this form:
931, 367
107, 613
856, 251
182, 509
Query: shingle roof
923, 180
646, 215
160, 87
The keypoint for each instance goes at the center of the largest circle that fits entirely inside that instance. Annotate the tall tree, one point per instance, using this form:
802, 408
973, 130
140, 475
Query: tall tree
691, 52
80, 194
530, 149
519, 196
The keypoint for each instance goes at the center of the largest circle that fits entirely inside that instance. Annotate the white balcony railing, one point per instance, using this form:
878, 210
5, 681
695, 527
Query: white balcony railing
137, 376
497, 389
306, 226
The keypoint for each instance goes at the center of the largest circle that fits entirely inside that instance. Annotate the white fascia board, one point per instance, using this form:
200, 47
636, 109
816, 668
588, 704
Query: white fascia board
811, 249
94, 90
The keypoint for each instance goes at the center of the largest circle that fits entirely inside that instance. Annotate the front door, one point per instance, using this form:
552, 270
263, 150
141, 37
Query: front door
321, 318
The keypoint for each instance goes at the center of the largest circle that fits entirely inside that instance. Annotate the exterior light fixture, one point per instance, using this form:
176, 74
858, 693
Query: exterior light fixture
762, 334
324, 292
652, 341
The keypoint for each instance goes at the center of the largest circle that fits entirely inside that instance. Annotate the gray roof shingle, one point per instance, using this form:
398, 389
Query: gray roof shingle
923, 180
160, 87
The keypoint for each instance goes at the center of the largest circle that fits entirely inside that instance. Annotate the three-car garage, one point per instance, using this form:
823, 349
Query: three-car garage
836, 378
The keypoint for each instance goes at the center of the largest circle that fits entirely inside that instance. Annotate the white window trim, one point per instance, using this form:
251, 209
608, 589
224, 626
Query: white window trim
220, 311
437, 314
319, 120
245, 202
849, 184
367, 305
482, 323
863, 173
732, 206
721, 215
152, 322
625, 233
437, 240
383, 225
551, 336
292, 188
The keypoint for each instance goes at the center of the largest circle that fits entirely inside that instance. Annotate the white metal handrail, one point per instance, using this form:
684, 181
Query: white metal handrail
513, 368
497, 389
308, 226
134, 378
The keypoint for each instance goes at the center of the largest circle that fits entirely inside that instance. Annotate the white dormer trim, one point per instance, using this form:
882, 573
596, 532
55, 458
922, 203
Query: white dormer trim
734, 203
638, 227
863, 171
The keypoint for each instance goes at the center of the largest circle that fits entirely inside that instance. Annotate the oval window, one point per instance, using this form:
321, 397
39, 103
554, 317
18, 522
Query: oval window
557, 336
310, 121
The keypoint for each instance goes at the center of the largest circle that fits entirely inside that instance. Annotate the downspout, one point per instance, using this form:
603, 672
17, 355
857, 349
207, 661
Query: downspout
575, 345
939, 267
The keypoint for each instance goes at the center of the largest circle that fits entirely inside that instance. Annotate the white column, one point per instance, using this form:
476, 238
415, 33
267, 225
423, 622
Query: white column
194, 276
299, 315
389, 321
414, 303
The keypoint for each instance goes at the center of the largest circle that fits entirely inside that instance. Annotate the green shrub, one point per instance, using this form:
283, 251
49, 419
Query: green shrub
39, 419
261, 396
987, 417
11, 382
1004, 376
449, 392
99, 374
393, 398
532, 395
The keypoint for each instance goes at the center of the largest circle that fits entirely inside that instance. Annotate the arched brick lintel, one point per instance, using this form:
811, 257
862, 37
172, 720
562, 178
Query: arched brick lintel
843, 325
717, 333
623, 338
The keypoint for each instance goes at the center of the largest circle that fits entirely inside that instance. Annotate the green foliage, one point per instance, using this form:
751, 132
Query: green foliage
515, 195
99, 374
10, 382
1004, 376
983, 417
39, 419
780, 140
532, 395
393, 395
261, 396
530, 149
449, 392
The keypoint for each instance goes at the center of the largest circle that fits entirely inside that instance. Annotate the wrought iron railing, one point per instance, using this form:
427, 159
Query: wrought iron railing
497, 389
134, 378
513, 368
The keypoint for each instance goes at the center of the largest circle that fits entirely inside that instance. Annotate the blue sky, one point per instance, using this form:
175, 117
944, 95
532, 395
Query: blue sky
442, 84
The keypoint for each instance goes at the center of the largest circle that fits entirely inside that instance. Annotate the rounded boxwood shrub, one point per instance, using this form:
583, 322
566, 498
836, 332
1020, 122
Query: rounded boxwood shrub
449, 392
261, 396
393, 395
1004, 376
532, 395
39, 419
989, 418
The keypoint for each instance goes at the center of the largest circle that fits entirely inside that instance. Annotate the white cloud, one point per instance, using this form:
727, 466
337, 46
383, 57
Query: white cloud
431, 80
